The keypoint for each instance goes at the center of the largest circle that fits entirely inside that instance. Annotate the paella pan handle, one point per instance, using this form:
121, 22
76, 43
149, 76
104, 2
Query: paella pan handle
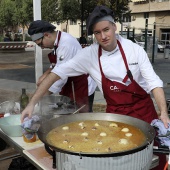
52, 153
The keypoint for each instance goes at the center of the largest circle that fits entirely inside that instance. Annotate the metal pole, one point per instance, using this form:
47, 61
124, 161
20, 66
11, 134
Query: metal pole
146, 32
133, 33
38, 50
82, 16
154, 35
121, 25
128, 33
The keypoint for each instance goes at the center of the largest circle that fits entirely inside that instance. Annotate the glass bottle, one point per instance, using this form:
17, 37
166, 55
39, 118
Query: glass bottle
29, 138
24, 99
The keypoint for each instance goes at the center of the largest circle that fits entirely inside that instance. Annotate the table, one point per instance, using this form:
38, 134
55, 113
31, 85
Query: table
34, 152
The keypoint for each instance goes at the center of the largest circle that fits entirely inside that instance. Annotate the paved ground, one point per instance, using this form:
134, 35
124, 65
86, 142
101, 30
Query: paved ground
162, 68
17, 71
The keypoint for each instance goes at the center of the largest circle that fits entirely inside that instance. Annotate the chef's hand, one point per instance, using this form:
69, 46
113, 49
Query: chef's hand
165, 119
27, 112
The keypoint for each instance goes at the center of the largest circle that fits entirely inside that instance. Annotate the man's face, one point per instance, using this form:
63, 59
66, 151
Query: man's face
39, 42
104, 32
45, 41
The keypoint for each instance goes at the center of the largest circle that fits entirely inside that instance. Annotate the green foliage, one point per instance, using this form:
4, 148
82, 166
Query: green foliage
23, 12
118, 6
6, 12
20, 12
88, 6
27, 38
49, 10
69, 9
15, 13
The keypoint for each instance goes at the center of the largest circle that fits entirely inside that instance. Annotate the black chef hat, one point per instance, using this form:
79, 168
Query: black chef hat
38, 27
100, 13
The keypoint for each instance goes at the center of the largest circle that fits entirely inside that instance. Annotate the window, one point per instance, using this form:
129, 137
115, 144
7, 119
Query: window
165, 36
136, 2
73, 22
149, 32
126, 18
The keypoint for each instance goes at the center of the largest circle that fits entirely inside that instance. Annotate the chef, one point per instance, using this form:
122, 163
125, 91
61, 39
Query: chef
120, 68
64, 48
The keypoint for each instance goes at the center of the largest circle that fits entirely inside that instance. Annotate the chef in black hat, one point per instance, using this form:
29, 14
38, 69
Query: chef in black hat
37, 30
120, 68
64, 48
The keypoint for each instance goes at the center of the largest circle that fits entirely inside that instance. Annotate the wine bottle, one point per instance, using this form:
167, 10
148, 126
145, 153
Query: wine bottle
24, 99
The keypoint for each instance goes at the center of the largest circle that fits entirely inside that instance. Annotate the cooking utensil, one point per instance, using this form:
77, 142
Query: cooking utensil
128, 160
53, 123
74, 98
79, 109
11, 125
59, 104
56, 104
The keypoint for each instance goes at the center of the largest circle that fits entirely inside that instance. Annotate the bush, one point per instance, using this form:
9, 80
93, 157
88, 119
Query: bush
27, 37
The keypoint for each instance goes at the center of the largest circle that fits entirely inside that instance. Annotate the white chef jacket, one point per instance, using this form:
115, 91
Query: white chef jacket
86, 61
67, 48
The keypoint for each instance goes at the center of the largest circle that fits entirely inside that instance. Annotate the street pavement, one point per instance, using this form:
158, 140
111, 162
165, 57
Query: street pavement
17, 71
162, 68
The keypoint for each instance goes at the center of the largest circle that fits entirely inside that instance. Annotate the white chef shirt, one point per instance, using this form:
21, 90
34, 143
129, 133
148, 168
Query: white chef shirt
86, 61
67, 48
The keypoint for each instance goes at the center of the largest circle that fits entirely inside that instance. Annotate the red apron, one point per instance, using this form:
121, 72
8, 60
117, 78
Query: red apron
80, 90
80, 84
129, 100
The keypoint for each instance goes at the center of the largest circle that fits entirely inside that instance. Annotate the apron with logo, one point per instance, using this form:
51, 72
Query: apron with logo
76, 87
129, 100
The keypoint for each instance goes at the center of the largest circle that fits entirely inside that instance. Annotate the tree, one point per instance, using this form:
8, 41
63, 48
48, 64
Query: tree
14, 13
119, 7
23, 14
86, 9
69, 9
6, 15
50, 10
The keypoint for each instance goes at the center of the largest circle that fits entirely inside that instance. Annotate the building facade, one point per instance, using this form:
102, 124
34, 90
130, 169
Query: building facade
155, 11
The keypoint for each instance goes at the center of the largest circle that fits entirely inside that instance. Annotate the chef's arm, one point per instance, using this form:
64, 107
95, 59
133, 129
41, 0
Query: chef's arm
159, 96
39, 93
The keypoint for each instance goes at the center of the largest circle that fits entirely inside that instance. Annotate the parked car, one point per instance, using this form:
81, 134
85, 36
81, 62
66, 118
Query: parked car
140, 40
161, 46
